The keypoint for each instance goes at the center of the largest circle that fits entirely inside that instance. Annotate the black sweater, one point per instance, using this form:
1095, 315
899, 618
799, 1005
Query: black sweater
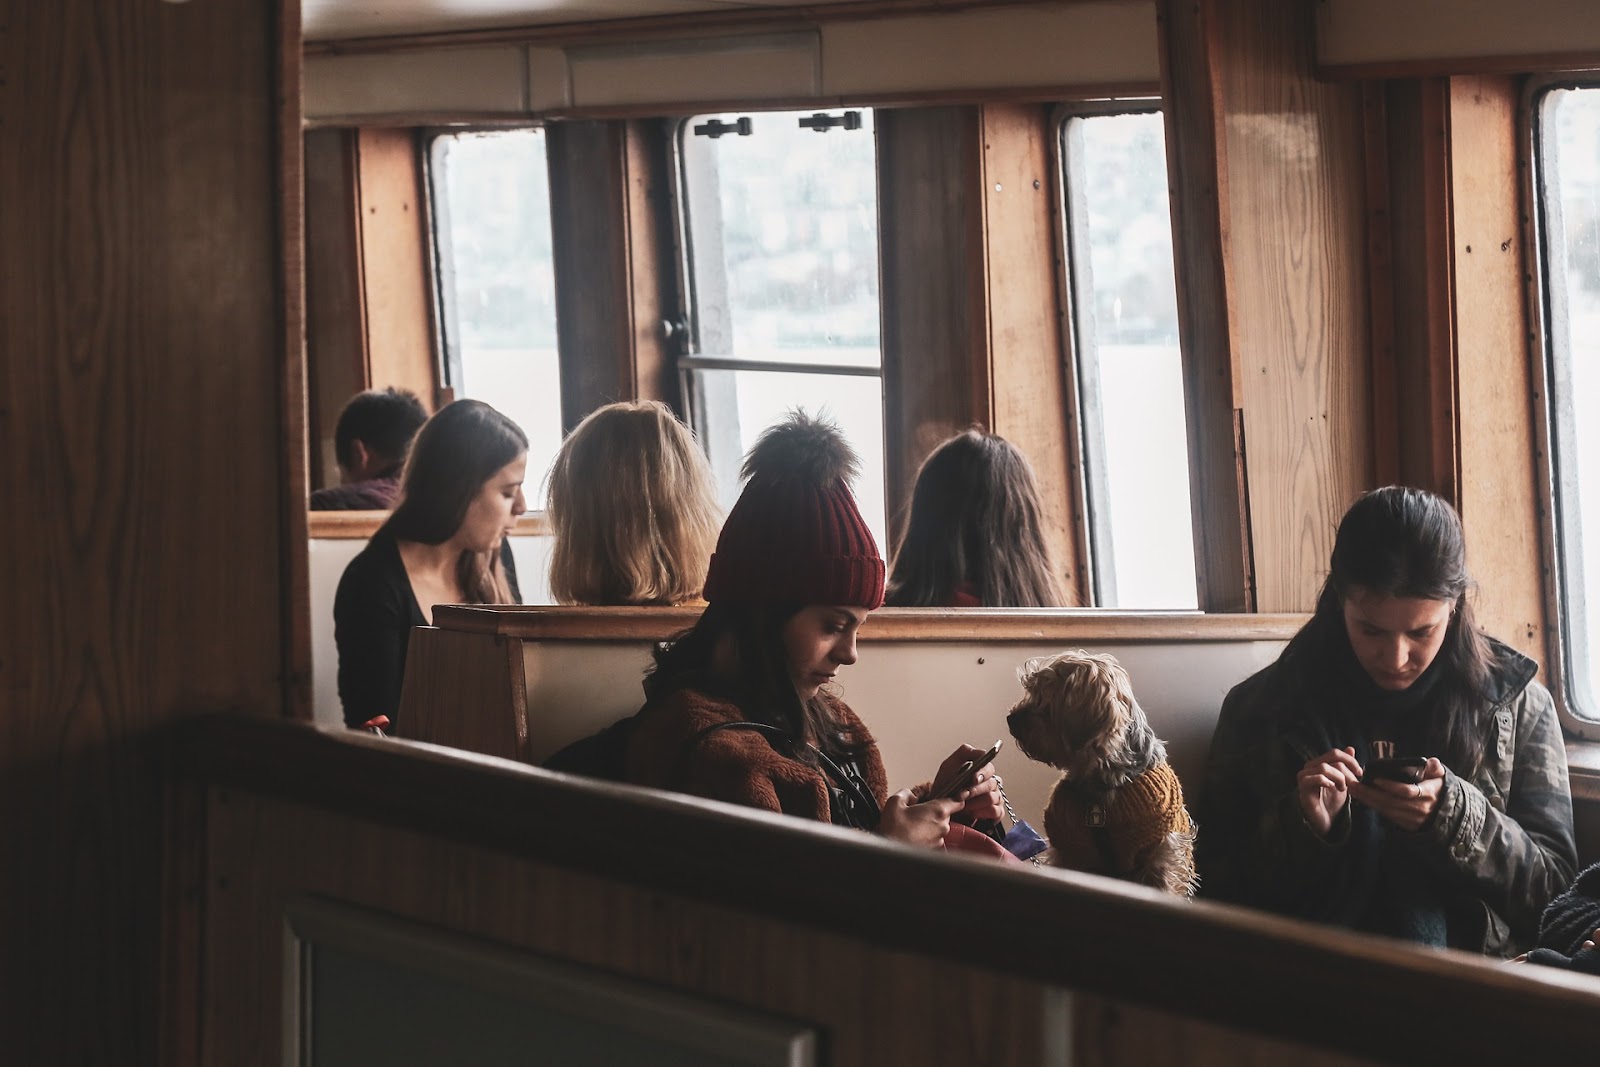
373, 613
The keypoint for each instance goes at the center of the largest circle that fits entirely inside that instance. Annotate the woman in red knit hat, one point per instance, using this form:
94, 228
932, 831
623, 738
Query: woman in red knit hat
738, 706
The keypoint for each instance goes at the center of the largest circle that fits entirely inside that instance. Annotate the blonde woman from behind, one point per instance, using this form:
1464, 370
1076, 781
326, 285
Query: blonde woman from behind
633, 507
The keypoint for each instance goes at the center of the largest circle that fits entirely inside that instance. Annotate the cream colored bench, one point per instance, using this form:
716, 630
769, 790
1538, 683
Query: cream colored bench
523, 682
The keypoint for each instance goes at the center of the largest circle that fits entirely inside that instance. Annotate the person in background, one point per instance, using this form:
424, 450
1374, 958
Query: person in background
445, 543
740, 708
633, 507
1462, 833
973, 536
371, 439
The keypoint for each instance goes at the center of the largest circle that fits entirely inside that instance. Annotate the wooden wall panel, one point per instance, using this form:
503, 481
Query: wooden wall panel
1030, 383
143, 489
1500, 499
395, 273
1197, 180
336, 335
1281, 254
931, 261
609, 223
1296, 178
875, 1006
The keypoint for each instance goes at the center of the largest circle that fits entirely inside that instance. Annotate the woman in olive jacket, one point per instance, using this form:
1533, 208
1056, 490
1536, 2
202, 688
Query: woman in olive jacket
1464, 833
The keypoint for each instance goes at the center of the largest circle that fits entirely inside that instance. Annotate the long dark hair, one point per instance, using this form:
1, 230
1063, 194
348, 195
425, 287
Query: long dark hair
454, 454
1401, 542
760, 685
974, 518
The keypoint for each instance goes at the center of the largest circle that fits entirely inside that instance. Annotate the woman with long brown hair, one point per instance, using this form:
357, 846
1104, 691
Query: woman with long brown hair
973, 535
445, 543
1395, 771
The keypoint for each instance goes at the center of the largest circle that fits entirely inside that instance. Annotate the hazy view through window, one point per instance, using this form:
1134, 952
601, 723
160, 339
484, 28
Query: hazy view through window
491, 202
1569, 159
1129, 373
784, 266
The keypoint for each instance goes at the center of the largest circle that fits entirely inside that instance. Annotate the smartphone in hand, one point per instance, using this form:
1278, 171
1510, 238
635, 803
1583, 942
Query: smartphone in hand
962, 777
1408, 769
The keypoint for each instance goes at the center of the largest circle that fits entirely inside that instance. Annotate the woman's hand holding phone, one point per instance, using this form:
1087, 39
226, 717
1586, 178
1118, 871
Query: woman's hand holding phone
1323, 787
1407, 805
967, 775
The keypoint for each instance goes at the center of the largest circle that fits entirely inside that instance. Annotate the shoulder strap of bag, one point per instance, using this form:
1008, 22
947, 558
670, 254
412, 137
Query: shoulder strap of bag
781, 739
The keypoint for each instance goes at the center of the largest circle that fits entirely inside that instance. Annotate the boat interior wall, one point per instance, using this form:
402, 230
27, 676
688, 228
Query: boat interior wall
330, 556
342, 19
873, 945
1387, 37
1106, 47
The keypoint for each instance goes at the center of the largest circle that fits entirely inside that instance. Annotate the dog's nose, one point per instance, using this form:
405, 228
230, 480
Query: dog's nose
1013, 719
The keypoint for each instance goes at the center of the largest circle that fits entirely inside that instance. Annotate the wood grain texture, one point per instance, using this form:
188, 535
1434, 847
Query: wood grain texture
1423, 401
293, 401
360, 525
652, 279
756, 18
654, 883
1498, 374
336, 320
590, 227
873, 1005
1197, 181
1027, 354
466, 691
540, 623
1297, 251
142, 474
398, 289
936, 364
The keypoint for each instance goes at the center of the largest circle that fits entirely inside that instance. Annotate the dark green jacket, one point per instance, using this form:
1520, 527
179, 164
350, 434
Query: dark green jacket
1497, 849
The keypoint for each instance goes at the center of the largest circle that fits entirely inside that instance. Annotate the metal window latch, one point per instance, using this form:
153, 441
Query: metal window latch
822, 122
714, 128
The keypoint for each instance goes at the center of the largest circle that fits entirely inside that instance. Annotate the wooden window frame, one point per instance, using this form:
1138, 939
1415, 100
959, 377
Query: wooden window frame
1092, 481
1553, 434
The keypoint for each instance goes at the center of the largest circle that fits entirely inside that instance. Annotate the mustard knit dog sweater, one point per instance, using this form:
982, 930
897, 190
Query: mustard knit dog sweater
1139, 816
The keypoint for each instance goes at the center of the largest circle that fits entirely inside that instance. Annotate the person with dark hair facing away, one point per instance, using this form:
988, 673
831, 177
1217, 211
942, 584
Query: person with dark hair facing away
973, 536
739, 707
646, 539
445, 543
1395, 771
370, 440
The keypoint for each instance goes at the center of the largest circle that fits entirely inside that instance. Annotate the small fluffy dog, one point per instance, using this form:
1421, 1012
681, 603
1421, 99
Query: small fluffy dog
1118, 808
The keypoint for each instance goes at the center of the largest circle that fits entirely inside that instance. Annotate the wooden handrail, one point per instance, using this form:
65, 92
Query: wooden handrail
1324, 987
1059, 625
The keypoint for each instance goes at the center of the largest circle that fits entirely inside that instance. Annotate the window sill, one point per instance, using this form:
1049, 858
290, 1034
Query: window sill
1583, 767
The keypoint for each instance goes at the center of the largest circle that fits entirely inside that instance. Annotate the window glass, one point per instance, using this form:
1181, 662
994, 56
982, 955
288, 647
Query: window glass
1126, 358
496, 274
1569, 169
781, 240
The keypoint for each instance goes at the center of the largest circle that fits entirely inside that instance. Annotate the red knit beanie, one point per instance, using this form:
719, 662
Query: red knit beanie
795, 536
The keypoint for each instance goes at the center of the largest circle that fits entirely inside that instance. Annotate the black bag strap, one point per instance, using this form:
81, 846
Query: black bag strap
780, 739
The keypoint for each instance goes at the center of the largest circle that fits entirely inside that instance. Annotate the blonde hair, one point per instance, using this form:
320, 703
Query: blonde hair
634, 509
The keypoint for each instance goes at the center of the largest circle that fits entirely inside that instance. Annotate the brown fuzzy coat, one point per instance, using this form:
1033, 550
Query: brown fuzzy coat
738, 766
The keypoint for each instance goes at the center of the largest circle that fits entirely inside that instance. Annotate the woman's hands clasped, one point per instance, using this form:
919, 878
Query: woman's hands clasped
1328, 782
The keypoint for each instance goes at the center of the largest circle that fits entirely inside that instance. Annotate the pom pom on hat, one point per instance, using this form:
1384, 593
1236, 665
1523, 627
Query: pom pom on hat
795, 536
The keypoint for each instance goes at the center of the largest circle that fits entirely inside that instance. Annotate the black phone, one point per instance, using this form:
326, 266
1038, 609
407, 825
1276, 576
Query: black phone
1407, 769
963, 775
